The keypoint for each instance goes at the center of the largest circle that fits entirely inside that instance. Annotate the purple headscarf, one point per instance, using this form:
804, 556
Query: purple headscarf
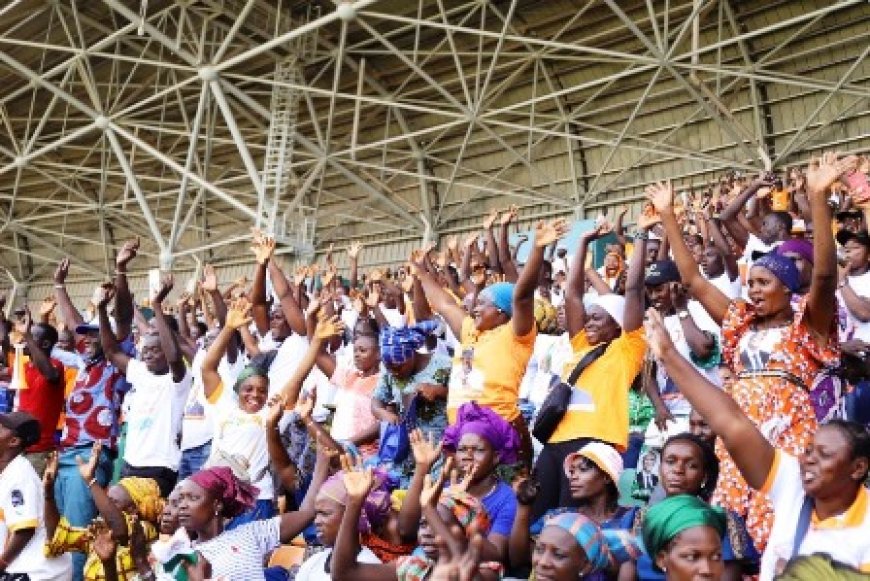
376, 507
799, 246
398, 344
235, 496
474, 419
782, 268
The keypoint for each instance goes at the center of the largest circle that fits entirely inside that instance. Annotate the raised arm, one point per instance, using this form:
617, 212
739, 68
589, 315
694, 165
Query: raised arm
618, 229
353, 256
326, 328
719, 241
124, 308
491, 245
821, 308
111, 348
426, 452
714, 301
438, 298
523, 318
634, 290
69, 315
283, 468
292, 311
37, 355
237, 317
750, 450
106, 507
168, 340
575, 312
262, 247
293, 523
504, 247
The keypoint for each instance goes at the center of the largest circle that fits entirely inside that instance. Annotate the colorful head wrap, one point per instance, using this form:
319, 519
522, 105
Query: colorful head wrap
502, 296
376, 507
782, 268
398, 344
235, 495
675, 514
145, 494
602, 455
471, 418
249, 371
546, 316
604, 548
467, 509
799, 246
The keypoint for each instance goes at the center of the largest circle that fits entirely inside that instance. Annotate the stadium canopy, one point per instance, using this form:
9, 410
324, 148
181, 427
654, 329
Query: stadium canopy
187, 122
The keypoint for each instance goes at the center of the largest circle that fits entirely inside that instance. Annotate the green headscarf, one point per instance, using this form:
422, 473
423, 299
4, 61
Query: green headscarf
675, 514
248, 372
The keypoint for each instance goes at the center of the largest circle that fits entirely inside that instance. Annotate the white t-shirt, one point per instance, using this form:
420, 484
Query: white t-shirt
243, 436
856, 329
846, 538
22, 506
198, 425
394, 317
753, 246
730, 288
154, 418
239, 553
671, 396
550, 354
314, 567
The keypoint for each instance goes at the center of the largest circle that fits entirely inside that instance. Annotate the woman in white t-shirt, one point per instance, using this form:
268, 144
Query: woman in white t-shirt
820, 504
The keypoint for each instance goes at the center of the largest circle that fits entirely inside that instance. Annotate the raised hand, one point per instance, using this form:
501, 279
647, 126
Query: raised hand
509, 215
329, 252
275, 409
464, 482
209, 279
353, 250
453, 244
649, 217
471, 240
656, 334
50, 474
239, 314
376, 275
262, 246
661, 196
166, 284
127, 253
88, 469
104, 294
330, 275
305, 404
426, 451
23, 326
373, 299
103, 543
490, 219
432, 487
61, 271
548, 232
526, 490
47, 306
822, 172
357, 480
328, 327
458, 559
300, 275
183, 300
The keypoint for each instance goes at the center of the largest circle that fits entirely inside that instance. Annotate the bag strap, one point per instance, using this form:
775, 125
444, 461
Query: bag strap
586, 361
803, 525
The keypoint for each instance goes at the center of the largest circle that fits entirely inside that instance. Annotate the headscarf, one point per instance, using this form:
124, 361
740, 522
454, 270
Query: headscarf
376, 507
602, 455
398, 344
799, 246
235, 495
611, 303
675, 514
249, 371
546, 316
145, 494
471, 418
467, 509
782, 268
604, 548
502, 296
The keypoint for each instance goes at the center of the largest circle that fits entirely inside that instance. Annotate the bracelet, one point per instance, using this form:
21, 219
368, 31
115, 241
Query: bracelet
91, 482
120, 272
58, 285
641, 235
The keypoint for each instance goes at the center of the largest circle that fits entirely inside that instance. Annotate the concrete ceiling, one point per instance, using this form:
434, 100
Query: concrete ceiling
392, 119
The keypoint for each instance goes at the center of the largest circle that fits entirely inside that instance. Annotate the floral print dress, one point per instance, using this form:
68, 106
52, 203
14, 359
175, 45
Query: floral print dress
775, 370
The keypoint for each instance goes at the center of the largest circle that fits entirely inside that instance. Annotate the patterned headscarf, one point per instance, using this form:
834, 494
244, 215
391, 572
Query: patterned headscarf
546, 317
604, 548
782, 268
376, 507
675, 514
145, 494
467, 509
398, 344
502, 296
471, 418
799, 246
235, 495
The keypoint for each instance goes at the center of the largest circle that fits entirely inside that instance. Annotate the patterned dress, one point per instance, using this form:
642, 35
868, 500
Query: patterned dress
775, 369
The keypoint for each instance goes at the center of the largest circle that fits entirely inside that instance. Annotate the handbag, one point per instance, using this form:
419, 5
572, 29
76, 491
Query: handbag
556, 403
394, 444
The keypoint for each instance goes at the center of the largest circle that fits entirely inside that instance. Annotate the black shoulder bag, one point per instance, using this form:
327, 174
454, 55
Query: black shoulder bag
556, 403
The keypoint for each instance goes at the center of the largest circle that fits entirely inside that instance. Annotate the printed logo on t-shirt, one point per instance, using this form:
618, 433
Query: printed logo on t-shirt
581, 401
16, 498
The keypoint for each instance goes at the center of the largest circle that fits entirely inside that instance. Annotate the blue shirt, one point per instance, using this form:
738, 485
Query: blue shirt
501, 506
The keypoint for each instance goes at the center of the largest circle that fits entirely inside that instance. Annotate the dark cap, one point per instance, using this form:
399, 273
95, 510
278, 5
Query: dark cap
86, 328
861, 237
847, 214
25, 426
661, 272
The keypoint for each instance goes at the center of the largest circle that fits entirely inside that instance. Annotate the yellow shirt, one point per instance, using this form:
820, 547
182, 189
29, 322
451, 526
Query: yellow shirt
599, 404
488, 368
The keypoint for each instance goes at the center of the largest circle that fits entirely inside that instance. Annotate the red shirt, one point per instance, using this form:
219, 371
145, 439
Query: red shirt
44, 401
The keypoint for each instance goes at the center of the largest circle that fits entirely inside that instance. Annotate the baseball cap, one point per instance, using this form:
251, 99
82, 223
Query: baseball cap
661, 272
861, 237
24, 425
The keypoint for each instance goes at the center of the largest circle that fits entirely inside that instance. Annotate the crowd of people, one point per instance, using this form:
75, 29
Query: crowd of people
696, 407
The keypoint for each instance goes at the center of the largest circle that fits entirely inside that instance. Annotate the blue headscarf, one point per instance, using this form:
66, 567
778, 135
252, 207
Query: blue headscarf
398, 344
502, 296
603, 548
782, 268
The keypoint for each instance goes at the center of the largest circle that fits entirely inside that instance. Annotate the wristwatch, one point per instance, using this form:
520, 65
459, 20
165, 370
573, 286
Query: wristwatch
683, 315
